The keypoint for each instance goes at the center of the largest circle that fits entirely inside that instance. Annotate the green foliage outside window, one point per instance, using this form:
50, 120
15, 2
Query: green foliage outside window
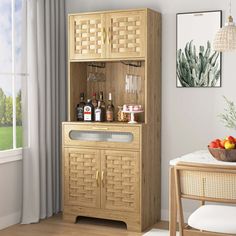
6, 110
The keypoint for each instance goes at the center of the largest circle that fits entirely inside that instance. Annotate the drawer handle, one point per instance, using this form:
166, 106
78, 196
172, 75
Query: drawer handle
97, 178
104, 35
99, 128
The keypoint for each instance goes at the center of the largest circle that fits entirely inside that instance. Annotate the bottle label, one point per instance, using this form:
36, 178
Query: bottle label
110, 116
80, 113
98, 115
87, 113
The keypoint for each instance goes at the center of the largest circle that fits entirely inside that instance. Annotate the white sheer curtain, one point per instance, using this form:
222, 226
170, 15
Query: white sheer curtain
44, 99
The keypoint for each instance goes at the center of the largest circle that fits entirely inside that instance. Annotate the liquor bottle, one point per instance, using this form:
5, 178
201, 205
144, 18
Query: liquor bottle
94, 100
88, 111
101, 100
98, 116
80, 108
110, 110
103, 106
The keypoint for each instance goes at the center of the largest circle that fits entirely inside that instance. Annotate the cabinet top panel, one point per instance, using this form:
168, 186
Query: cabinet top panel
109, 11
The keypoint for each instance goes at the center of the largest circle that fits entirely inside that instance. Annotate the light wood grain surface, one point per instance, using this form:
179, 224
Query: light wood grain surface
115, 73
115, 182
114, 37
101, 127
151, 139
108, 35
172, 203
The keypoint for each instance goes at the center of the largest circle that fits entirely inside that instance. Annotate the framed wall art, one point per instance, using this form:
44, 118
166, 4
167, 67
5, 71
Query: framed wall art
197, 64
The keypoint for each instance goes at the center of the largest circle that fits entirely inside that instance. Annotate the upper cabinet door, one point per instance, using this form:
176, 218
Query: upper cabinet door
126, 34
87, 36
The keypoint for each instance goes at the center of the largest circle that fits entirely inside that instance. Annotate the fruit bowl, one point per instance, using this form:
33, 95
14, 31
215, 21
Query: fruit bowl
223, 154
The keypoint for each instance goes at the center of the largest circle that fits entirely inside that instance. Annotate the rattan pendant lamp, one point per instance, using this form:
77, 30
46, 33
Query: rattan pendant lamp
225, 38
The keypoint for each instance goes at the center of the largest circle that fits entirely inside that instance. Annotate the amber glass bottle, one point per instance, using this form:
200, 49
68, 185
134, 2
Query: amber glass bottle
110, 110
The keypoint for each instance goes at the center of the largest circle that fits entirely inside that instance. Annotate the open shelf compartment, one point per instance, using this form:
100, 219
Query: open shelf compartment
115, 73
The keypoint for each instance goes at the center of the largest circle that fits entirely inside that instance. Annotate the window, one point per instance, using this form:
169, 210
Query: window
11, 73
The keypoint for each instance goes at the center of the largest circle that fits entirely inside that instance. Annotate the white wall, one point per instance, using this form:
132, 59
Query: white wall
189, 116
10, 193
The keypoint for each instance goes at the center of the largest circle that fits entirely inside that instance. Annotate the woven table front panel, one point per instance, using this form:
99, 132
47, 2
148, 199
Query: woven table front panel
208, 184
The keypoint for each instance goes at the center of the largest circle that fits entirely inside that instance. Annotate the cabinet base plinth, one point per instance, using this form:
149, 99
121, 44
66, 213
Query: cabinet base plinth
69, 218
133, 226
132, 220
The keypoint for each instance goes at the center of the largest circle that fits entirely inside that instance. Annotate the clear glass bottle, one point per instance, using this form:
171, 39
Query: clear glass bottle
80, 108
88, 111
98, 113
110, 110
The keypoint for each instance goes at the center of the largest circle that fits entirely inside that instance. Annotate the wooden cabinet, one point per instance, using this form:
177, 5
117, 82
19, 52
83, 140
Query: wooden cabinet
107, 35
111, 170
120, 180
102, 179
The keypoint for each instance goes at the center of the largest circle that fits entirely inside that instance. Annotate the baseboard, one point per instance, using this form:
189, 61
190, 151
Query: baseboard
10, 220
165, 215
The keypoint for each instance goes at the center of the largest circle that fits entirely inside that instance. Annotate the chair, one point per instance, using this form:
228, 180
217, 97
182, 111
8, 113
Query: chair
207, 183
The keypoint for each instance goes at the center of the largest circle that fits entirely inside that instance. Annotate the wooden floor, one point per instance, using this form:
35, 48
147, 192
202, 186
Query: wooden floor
55, 226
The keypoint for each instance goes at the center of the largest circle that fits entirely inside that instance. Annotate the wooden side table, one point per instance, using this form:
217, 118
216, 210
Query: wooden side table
172, 203
198, 158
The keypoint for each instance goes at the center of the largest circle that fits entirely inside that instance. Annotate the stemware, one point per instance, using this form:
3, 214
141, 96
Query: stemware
132, 83
96, 76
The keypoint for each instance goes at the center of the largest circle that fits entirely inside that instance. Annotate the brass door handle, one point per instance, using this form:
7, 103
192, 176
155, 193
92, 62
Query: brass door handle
102, 178
109, 35
104, 34
97, 178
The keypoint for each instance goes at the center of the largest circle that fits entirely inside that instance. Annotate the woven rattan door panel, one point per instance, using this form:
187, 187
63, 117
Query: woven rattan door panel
82, 180
120, 180
87, 36
126, 34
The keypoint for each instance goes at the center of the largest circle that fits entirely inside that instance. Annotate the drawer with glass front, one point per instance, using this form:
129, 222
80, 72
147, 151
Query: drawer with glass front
97, 135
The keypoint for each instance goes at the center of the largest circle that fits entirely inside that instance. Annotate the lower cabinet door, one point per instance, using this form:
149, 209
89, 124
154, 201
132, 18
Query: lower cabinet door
82, 177
120, 180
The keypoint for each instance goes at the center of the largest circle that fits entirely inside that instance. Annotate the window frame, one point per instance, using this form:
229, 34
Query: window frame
10, 155
15, 153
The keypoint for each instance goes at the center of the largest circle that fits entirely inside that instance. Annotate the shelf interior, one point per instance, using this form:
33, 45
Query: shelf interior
115, 73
